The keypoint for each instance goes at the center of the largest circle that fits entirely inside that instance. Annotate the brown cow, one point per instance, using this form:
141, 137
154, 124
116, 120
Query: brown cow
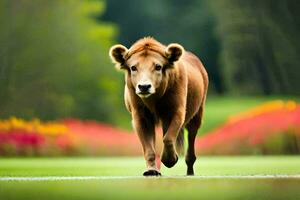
164, 85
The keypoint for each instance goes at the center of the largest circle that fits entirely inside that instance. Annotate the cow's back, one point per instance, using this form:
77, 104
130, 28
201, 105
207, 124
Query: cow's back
197, 83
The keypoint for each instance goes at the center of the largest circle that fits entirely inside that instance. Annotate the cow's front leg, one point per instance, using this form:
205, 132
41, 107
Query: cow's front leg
144, 125
171, 129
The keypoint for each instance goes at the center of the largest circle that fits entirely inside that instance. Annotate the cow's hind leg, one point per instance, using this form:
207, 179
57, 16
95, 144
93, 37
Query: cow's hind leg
192, 128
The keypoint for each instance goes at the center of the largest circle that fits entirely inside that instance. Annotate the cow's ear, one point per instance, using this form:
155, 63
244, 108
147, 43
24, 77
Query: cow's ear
117, 55
174, 52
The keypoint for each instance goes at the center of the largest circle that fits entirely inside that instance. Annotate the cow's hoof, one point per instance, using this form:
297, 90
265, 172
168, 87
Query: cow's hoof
169, 156
169, 161
151, 172
190, 172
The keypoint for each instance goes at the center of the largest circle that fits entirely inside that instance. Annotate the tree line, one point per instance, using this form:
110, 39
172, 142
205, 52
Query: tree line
54, 61
54, 54
248, 47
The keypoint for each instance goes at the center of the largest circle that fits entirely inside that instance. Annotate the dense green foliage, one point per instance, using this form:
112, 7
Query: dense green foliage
248, 47
260, 45
190, 23
54, 61
54, 54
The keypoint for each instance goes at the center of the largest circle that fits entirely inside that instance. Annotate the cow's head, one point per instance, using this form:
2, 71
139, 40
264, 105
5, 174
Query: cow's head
147, 63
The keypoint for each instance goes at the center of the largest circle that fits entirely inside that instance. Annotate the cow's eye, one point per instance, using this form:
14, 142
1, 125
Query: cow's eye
133, 68
158, 67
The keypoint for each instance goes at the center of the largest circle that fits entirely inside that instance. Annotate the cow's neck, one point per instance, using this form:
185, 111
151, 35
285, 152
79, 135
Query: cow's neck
150, 103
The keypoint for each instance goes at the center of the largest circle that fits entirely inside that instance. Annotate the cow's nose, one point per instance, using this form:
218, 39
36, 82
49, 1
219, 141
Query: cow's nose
144, 88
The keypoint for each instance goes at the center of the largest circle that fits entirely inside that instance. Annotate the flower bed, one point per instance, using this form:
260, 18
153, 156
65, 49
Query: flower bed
271, 128
68, 137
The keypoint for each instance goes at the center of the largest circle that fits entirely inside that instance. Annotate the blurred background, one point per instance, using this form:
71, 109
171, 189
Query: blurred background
60, 95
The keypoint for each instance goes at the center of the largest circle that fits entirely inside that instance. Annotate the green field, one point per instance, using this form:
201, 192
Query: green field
119, 178
218, 109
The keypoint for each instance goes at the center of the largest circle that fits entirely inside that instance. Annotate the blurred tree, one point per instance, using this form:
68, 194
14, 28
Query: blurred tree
248, 47
260, 45
189, 23
54, 61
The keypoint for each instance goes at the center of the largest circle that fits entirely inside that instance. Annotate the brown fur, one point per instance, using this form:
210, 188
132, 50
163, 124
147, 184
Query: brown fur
178, 101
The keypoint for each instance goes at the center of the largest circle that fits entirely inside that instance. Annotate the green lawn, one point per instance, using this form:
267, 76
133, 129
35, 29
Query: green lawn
217, 178
218, 109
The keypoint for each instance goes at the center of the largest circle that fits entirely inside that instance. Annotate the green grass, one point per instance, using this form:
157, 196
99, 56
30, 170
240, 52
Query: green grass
132, 166
218, 109
173, 184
